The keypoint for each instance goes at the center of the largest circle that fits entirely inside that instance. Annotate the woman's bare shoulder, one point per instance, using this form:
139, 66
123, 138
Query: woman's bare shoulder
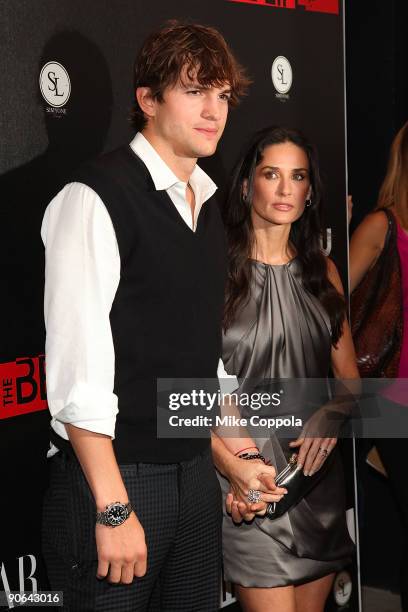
372, 229
377, 220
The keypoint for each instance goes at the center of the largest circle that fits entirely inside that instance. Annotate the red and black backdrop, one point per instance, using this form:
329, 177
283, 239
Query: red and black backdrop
293, 50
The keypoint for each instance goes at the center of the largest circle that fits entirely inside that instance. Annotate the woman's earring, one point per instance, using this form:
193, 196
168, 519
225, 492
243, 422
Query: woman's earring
308, 202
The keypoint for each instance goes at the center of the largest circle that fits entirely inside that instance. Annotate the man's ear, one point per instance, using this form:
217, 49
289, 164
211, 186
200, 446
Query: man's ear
146, 101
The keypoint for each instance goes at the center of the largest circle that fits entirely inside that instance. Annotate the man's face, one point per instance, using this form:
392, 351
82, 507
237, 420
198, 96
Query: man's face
191, 118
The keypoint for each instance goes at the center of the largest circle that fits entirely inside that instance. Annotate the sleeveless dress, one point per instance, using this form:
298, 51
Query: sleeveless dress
402, 243
284, 332
393, 450
397, 390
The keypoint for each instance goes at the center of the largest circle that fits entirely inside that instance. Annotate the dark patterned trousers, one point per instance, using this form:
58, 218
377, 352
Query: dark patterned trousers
179, 506
393, 453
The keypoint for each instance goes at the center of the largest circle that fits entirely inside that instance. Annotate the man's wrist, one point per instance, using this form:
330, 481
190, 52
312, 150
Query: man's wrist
115, 514
101, 505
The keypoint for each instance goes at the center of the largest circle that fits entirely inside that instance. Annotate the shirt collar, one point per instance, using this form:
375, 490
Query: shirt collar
163, 177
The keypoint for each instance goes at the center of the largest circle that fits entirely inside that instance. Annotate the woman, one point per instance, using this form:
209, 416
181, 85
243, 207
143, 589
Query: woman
379, 246
284, 318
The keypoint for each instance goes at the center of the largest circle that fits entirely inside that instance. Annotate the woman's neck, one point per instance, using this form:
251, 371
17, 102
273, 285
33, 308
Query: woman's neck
271, 244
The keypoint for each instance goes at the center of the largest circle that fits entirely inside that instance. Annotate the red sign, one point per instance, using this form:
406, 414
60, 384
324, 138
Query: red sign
288, 4
22, 386
321, 6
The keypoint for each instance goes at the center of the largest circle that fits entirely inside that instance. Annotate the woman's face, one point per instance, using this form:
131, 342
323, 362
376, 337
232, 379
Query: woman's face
281, 185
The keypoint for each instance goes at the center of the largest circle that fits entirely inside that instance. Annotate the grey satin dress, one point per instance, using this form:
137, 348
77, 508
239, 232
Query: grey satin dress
284, 332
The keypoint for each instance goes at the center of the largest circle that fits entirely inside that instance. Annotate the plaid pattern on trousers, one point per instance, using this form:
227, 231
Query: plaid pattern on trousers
179, 506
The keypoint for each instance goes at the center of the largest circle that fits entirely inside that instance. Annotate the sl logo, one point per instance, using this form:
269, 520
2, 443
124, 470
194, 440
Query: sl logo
342, 588
281, 74
55, 84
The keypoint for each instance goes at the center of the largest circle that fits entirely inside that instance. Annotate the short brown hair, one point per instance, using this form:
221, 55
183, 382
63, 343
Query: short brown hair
201, 49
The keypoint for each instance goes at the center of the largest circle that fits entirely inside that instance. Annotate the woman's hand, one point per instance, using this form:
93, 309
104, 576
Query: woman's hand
241, 511
244, 475
313, 452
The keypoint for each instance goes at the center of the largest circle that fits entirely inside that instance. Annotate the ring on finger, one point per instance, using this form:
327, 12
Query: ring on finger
254, 496
324, 451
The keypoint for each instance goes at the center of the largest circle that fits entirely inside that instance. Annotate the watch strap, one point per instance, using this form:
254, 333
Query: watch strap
102, 517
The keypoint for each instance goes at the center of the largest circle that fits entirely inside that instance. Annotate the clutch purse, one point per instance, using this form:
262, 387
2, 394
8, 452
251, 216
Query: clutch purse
297, 485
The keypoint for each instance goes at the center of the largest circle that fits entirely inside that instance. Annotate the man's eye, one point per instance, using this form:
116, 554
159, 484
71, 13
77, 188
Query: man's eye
194, 91
226, 97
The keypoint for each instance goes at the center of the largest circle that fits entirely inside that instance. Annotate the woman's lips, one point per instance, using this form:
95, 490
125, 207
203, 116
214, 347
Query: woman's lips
283, 207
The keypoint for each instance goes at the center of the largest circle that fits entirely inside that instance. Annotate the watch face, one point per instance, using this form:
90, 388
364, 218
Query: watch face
116, 514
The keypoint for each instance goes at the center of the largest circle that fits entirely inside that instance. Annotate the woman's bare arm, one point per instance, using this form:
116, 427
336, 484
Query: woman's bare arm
344, 366
343, 356
366, 245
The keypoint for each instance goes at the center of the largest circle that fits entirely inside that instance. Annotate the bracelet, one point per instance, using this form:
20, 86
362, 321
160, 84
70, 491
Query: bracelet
250, 456
244, 449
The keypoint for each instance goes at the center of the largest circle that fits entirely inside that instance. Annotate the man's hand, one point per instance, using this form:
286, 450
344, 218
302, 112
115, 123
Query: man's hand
122, 551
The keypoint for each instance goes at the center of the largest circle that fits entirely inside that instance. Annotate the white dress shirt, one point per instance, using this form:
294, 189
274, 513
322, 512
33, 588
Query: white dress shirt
82, 274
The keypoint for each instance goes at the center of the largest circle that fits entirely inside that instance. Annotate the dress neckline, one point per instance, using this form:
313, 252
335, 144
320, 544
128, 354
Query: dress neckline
402, 231
263, 263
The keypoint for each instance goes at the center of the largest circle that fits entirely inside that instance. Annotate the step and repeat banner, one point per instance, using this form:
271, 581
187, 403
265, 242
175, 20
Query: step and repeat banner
65, 96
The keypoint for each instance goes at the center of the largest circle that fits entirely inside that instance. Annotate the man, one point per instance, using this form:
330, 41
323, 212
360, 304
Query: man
134, 290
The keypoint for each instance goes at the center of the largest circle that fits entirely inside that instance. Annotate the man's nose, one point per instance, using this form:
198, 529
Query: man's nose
212, 107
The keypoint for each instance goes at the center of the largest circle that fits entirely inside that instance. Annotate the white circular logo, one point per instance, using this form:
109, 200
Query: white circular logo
342, 588
55, 84
281, 74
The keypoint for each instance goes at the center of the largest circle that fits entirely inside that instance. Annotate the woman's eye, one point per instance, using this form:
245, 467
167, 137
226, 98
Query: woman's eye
271, 175
298, 177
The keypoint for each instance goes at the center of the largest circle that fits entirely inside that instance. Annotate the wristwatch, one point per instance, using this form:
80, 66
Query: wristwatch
114, 515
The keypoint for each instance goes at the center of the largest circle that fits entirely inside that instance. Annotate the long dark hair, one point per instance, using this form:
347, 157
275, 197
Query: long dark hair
305, 234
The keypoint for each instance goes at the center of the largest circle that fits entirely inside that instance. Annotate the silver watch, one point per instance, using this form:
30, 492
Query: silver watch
114, 515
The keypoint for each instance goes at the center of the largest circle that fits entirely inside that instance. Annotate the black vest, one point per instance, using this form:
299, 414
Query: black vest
167, 312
